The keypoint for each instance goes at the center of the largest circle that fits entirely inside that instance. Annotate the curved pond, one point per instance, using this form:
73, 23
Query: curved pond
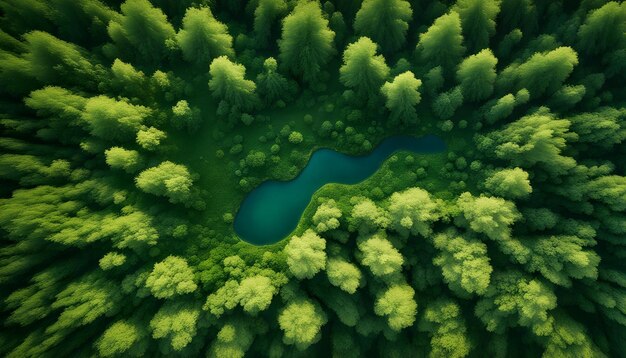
272, 210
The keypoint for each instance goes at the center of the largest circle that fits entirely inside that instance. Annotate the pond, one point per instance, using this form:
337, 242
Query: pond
272, 210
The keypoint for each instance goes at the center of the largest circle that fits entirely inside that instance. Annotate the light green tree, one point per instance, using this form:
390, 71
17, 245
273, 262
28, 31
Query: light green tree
362, 69
343, 274
413, 211
114, 120
228, 83
301, 321
203, 38
327, 216
176, 323
397, 304
150, 138
603, 29
306, 255
488, 215
379, 255
442, 43
120, 158
366, 217
384, 21
476, 75
402, 95
167, 179
545, 72
444, 321
255, 294
171, 277
306, 44
266, 15
122, 337
509, 183
464, 263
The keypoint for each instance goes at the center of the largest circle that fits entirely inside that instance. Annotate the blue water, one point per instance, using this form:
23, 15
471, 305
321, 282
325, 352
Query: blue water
271, 211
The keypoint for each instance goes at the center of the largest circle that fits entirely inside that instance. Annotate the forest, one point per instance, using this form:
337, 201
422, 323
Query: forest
131, 132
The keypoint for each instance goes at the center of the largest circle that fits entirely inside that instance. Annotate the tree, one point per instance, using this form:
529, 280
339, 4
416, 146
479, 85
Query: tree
343, 274
447, 103
301, 321
413, 211
366, 217
122, 337
228, 83
265, 15
385, 21
603, 29
143, 28
600, 128
171, 277
272, 85
478, 21
488, 215
464, 263
120, 158
150, 138
327, 216
514, 299
544, 73
203, 38
379, 255
167, 179
536, 139
476, 75
127, 79
398, 306
442, 43
402, 95
306, 43
255, 294
362, 69
177, 323
114, 120
509, 183
444, 321
306, 255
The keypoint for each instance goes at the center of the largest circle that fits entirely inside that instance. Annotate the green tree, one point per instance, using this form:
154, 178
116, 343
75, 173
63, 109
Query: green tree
447, 103
362, 69
537, 139
603, 29
266, 15
488, 215
509, 183
228, 83
514, 299
306, 44
203, 38
398, 305
327, 216
255, 294
120, 158
385, 21
272, 85
171, 277
142, 28
442, 43
366, 217
402, 95
301, 321
464, 263
150, 138
343, 274
380, 256
167, 179
114, 120
176, 323
413, 211
544, 73
476, 75
478, 21
122, 337
306, 255
444, 321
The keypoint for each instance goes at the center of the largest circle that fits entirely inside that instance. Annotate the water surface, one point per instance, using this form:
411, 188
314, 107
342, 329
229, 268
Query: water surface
272, 210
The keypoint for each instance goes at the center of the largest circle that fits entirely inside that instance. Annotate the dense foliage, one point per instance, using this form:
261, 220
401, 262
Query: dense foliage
131, 131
